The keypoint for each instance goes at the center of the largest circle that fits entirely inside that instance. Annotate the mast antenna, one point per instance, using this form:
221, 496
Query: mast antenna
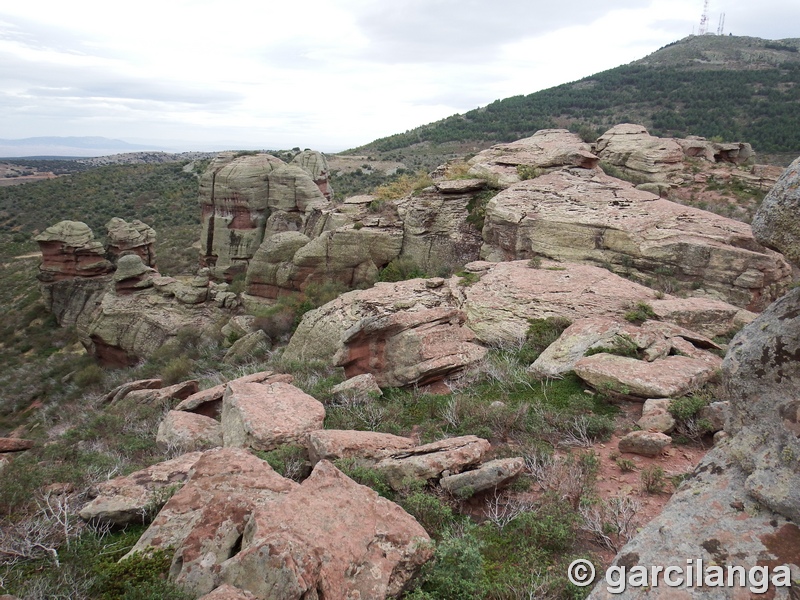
721, 28
704, 19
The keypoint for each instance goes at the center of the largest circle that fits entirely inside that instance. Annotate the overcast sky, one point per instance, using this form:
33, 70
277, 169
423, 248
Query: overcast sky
324, 74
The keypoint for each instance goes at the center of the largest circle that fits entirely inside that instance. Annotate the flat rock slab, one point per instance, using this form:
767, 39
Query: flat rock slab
431, 460
129, 499
673, 376
188, 431
265, 416
330, 444
329, 538
119, 392
208, 402
15, 445
204, 520
179, 391
645, 443
360, 385
490, 475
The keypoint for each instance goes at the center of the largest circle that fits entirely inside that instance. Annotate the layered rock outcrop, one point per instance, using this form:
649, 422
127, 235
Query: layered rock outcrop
545, 150
584, 216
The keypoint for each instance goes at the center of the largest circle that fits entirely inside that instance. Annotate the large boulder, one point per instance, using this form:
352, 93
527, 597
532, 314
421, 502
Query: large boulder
263, 416
188, 431
585, 216
762, 378
404, 333
205, 520
633, 150
776, 224
545, 150
430, 461
367, 446
328, 538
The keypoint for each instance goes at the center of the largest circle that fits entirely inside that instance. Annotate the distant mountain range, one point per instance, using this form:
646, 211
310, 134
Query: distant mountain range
68, 146
733, 88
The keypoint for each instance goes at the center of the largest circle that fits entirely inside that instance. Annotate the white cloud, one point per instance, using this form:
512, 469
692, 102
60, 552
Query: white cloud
328, 74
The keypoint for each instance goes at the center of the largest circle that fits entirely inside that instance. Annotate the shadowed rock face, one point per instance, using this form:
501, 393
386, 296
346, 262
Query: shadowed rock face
585, 216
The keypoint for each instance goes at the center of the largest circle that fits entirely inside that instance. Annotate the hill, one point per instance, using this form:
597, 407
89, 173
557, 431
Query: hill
733, 88
68, 146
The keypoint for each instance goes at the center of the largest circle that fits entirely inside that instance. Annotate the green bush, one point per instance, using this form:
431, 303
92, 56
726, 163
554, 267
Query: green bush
176, 370
456, 573
653, 479
288, 460
541, 333
139, 577
640, 313
429, 510
400, 269
371, 478
89, 376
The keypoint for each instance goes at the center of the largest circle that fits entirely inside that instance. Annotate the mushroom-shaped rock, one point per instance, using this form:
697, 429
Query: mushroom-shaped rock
70, 250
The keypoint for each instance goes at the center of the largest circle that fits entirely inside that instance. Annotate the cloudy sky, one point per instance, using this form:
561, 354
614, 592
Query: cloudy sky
325, 74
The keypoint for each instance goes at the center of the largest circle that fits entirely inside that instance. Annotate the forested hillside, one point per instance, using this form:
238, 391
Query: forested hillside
733, 88
161, 195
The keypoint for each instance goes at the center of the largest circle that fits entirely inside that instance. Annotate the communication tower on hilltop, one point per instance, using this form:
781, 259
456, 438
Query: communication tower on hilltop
721, 28
704, 19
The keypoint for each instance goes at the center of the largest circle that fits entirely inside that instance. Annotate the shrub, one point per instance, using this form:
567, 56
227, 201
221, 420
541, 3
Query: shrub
640, 313
176, 370
653, 479
400, 269
535, 262
371, 478
90, 375
141, 577
528, 172
621, 345
403, 186
456, 572
429, 510
288, 460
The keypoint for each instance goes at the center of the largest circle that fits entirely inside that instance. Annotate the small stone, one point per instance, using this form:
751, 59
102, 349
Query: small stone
646, 443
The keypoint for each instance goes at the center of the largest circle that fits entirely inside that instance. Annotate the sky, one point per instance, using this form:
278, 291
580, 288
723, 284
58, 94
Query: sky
321, 74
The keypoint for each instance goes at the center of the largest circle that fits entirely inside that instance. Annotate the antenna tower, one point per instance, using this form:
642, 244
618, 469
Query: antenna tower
721, 28
704, 19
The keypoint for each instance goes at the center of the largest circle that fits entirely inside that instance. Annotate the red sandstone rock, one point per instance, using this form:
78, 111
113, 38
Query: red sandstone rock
330, 444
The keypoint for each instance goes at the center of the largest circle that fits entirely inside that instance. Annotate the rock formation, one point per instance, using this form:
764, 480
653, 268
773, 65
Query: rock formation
237, 523
421, 330
126, 311
584, 216
545, 150
247, 198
